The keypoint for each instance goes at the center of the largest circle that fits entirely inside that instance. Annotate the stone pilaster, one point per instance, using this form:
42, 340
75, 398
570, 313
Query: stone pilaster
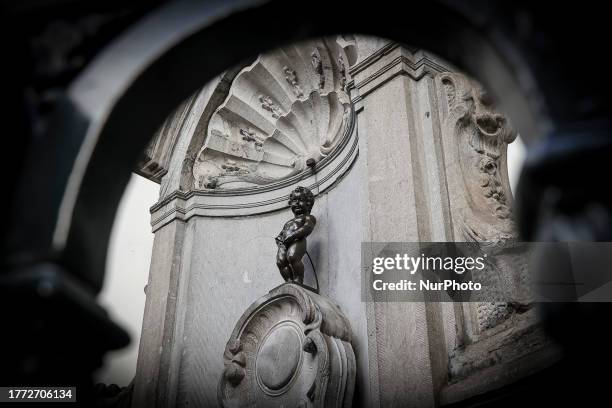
403, 199
158, 327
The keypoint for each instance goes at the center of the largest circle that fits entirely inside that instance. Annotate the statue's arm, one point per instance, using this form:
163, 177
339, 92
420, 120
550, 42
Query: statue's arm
302, 232
279, 239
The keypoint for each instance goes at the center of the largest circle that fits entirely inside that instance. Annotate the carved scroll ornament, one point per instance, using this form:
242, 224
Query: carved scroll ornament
291, 348
482, 136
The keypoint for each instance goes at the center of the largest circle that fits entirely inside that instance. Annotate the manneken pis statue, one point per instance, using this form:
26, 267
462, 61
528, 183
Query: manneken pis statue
291, 241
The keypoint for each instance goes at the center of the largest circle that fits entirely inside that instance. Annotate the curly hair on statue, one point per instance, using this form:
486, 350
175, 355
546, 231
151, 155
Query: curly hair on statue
302, 193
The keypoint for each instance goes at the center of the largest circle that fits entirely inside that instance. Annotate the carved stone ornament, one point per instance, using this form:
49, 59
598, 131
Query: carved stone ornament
285, 108
291, 348
483, 135
479, 136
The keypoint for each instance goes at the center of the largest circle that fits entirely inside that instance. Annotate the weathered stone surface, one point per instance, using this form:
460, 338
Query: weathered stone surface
479, 136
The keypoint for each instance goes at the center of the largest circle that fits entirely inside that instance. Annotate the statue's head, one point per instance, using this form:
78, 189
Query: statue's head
301, 201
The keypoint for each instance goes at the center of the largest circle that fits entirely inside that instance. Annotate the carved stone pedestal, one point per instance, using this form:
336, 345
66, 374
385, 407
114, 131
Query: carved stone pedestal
291, 348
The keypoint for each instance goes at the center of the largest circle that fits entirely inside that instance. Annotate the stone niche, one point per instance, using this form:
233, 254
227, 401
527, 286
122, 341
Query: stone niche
253, 132
285, 108
396, 145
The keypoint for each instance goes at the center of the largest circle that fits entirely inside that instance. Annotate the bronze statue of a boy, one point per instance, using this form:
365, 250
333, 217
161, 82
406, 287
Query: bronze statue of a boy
291, 240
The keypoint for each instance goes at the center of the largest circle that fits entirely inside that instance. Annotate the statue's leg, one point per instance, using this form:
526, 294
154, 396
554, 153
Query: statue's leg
294, 255
283, 264
298, 271
286, 273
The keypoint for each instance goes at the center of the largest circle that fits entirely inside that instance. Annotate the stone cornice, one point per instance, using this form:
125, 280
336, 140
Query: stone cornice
391, 61
371, 59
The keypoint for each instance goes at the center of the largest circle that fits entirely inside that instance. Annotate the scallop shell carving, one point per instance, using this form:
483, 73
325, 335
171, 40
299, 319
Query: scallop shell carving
285, 108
